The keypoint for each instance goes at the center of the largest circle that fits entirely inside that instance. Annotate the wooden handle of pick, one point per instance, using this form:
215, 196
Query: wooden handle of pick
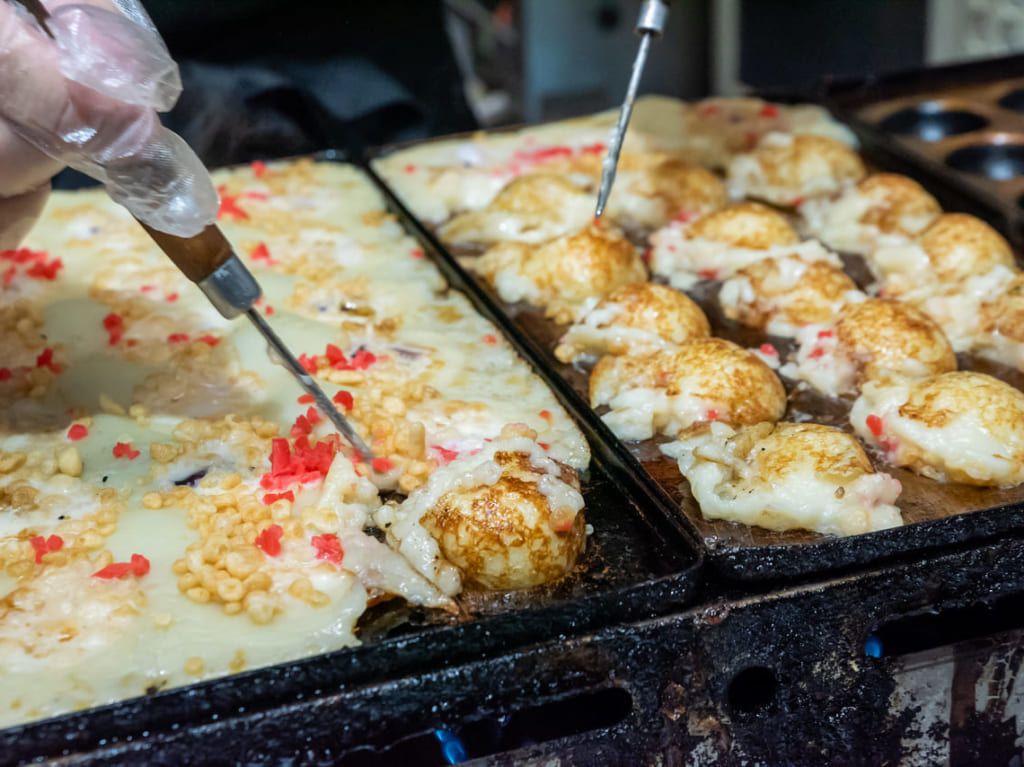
198, 257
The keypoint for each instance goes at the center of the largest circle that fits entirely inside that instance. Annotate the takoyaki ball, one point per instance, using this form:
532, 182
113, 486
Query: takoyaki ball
955, 427
718, 129
870, 340
563, 275
640, 317
717, 244
531, 208
441, 178
670, 189
721, 128
787, 170
668, 390
451, 190
983, 315
959, 245
1004, 314
1000, 332
976, 314
884, 207
816, 120
779, 295
954, 247
746, 225
786, 476
508, 518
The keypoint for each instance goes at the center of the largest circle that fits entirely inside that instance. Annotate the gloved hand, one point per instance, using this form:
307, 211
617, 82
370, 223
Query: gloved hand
88, 98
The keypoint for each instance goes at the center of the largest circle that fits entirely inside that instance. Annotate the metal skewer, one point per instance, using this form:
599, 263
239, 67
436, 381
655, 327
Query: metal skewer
208, 260
307, 382
651, 23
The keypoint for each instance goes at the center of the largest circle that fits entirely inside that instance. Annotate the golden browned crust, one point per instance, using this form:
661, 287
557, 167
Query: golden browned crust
786, 165
1005, 313
478, 528
940, 400
743, 388
881, 334
668, 312
937, 400
590, 263
533, 193
959, 245
791, 448
810, 300
534, 207
683, 187
569, 270
892, 198
745, 225
780, 450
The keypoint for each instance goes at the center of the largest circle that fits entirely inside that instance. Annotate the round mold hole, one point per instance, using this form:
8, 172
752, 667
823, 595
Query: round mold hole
753, 690
1013, 100
932, 122
1000, 162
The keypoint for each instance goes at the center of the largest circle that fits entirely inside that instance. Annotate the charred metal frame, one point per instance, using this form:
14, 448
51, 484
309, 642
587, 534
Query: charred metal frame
771, 659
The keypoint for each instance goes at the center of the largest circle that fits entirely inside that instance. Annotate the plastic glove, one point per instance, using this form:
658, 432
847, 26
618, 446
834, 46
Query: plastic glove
88, 99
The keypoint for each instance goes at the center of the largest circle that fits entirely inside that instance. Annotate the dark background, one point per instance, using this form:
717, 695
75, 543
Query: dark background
793, 43
276, 78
